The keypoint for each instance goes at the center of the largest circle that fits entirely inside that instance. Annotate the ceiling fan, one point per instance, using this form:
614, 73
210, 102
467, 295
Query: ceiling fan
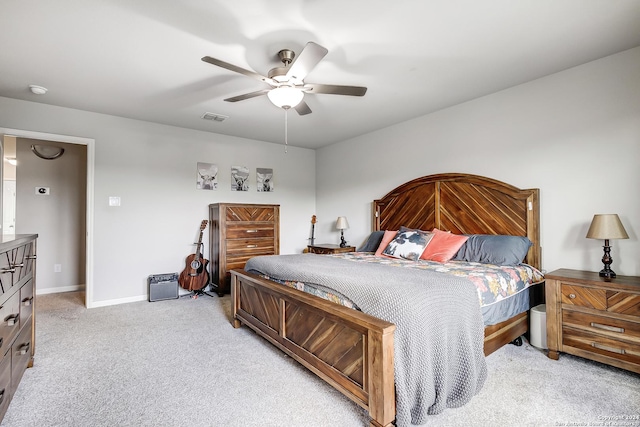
287, 83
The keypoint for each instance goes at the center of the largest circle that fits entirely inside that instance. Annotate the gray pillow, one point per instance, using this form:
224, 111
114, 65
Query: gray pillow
372, 243
494, 249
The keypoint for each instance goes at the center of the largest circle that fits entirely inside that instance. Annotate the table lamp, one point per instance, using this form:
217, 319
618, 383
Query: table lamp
606, 226
342, 224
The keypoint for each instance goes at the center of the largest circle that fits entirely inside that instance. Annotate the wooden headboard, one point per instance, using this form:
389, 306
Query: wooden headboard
463, 204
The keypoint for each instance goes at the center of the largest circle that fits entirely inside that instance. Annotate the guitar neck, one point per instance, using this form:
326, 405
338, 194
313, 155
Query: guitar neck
198, 255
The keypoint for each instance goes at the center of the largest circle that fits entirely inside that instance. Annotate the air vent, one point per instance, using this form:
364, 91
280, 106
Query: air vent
215, 117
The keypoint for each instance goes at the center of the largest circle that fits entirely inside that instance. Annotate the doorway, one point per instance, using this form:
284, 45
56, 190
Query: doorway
86, 146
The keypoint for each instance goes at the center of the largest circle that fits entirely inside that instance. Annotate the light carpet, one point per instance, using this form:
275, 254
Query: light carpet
181, 363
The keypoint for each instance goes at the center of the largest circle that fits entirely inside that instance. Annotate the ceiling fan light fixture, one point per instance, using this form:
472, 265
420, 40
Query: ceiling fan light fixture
285, 96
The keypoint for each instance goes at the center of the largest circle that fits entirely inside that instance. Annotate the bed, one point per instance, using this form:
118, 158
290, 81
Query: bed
354, 351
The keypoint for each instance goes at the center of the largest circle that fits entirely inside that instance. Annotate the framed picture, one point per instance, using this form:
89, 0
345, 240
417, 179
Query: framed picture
239, 178
264, 179
207, 178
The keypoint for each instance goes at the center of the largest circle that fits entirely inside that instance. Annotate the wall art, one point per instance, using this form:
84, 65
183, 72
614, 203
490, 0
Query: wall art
239, 178
207, 178
264, 179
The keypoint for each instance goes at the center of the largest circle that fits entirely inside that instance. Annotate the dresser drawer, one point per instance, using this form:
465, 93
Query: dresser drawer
592, 343
246, 230
21, 353
5, 383
250, 213
584, 297
10, 320
238, 247
615, 328
6, 274
26, 301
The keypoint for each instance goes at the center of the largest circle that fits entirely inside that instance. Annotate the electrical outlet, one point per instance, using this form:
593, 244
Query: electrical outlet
42, 191
57, 268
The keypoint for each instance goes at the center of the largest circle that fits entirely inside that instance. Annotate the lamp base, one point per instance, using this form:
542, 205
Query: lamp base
609, 274
343, 243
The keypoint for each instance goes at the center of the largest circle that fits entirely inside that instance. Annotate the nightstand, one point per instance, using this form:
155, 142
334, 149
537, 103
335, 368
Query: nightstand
594, 318
328, 248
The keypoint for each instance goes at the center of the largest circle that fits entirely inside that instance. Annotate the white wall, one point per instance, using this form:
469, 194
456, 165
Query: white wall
153, 169
575, 135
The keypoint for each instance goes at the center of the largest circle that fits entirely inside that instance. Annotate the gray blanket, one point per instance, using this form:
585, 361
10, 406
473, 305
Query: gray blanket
439, 359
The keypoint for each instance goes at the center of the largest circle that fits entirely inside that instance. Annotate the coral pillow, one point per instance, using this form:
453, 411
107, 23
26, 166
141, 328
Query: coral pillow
443, 246
386, 239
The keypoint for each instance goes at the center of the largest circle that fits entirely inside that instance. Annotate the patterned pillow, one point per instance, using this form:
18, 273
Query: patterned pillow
408, 244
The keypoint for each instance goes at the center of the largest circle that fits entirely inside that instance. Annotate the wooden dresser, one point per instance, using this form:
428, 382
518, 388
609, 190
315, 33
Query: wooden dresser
238, 232
593, 318
17, 298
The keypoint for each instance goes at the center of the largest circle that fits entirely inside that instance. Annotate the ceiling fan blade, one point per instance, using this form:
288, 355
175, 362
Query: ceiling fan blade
248, 95
306, 61
237, 69
302, 108
334, 89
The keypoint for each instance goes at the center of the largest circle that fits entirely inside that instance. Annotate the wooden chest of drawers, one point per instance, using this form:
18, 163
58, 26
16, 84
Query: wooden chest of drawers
593, 318
238, 232
17, 298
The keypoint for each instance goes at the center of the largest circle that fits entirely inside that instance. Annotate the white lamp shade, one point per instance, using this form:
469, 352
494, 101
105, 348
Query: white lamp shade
606, 226
342, 223
285, 96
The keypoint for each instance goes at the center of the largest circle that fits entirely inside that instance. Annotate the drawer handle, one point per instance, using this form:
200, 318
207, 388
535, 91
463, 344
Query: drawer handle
252, 246
31, 256
607, 327
17, 265
24, 348
8, 270
11, 320
607, 348
572, 296
27, 301
252, 231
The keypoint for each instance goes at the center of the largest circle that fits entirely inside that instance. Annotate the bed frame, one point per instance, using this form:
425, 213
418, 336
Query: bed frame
353, 351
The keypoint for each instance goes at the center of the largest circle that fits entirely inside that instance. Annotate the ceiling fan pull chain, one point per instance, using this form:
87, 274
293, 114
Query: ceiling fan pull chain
286, 132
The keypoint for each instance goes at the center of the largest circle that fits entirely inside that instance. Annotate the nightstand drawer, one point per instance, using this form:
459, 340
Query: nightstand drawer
584, 297
615, 328
623, 303
592, 343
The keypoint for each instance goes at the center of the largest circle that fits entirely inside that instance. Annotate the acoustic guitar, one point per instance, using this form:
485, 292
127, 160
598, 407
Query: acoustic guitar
195, 276
313, 229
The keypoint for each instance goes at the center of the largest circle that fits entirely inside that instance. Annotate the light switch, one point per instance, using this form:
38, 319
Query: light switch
114, 201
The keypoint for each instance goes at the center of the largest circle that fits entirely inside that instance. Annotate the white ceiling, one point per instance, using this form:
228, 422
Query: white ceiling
141, 58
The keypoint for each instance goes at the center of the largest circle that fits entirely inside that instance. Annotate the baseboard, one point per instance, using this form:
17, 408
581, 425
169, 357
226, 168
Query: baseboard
59, 289
105, 303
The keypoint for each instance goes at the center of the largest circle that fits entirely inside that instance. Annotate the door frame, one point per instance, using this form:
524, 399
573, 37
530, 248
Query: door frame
90, 143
